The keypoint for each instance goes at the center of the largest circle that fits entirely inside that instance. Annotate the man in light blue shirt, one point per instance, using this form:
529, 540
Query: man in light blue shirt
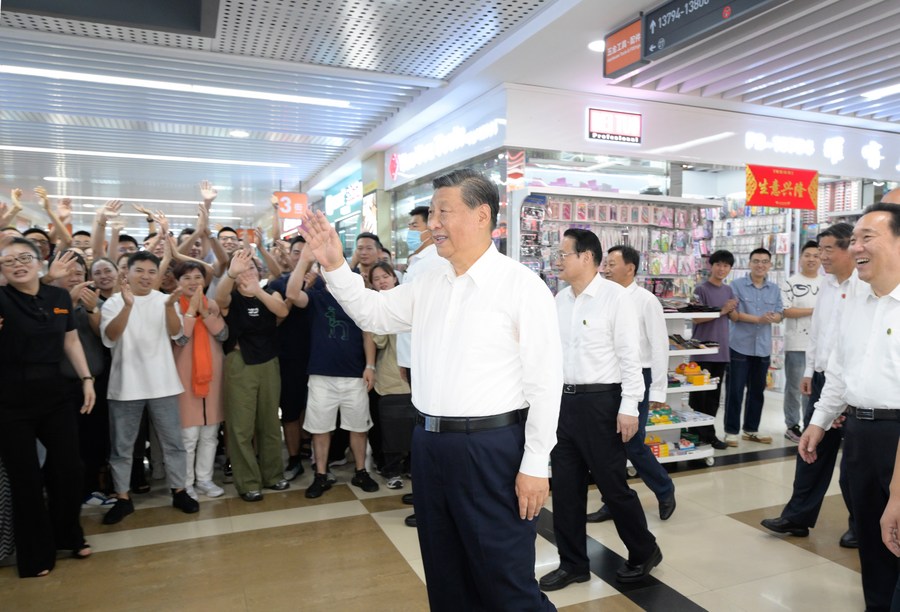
750, 342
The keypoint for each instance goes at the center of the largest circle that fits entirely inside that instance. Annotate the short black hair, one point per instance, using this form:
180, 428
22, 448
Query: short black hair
142, 256
127, 238
81, 233
384, 249
892, 209
586, 240
106, 259
629, 255
761, 251
186, 232
183, 267
810, 244
227, 229
841, 232
26, 242
369, 235
723, 256
419, 211
150, 236
79, 258
475, 190
296, 239
36, 230
384, 266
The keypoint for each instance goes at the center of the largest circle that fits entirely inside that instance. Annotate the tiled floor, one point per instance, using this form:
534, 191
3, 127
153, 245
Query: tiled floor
349, 550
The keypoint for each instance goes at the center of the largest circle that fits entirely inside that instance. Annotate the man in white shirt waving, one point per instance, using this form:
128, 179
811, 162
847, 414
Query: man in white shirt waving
487, 370
621, 266
598, 414
864, 374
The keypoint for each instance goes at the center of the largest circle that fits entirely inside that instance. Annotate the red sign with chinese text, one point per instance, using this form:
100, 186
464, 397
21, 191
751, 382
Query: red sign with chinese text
622, 52
291, 205
782, 187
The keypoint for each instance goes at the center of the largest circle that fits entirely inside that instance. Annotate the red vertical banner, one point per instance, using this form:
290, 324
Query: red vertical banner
782, 187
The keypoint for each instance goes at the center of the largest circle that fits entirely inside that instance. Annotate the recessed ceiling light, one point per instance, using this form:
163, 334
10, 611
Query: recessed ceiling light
60, 179
198, 160
597, 46
239, 133
171, 86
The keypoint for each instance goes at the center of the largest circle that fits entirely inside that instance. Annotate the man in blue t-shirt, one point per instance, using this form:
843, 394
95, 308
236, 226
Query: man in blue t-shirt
759, 306
339, 379
714, 292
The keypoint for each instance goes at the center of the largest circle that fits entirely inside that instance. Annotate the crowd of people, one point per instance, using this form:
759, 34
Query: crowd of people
173, 351
168, 341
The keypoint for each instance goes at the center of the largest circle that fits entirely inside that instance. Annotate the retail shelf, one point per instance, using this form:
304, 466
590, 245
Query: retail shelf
684, 352
692, 315
628, 197
701, 453
690, 388
681, 424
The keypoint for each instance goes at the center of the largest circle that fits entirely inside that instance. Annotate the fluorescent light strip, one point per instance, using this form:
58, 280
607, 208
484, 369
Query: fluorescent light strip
146, 201
171, 86
221, 218
196, 160
883, 92
691, 143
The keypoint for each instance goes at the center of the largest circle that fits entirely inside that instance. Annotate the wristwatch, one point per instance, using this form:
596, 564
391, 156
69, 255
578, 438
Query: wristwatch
95, 310
84, 378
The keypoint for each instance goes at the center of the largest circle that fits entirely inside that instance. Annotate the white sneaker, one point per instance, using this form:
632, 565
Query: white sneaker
731, 439
209, 488
97, 498
395, 482
191, 492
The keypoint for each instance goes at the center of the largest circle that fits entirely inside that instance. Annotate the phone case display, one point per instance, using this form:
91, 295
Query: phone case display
672, 239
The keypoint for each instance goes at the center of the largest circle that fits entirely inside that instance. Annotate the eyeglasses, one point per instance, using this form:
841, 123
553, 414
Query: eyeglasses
22, 258
562, 255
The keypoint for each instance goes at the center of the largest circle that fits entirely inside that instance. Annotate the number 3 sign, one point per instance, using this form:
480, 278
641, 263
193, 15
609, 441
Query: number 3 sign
291, 205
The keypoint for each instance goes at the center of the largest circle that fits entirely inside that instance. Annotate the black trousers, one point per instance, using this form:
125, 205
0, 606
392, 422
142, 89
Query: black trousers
811, 480
32, 410
478, 554
707, 402
587, 442
93, 436
869, 452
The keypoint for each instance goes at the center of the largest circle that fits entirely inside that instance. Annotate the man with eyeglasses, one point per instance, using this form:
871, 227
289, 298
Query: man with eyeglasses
750, 343
598, 414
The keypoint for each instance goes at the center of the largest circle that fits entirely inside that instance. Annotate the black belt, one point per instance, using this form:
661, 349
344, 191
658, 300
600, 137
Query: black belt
874, 414
595, 388
469, 424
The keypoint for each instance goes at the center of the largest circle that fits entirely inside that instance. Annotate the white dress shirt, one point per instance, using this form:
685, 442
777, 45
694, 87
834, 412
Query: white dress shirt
654, 339
483, 343
601, 341
864, 369
826, 315
416, 266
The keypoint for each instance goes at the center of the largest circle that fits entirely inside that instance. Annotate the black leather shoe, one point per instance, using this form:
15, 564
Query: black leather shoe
636, 573
848, 540
407, 499
410, 521
717, 444
252, 496
560, 579
281, 485
666, 508
599, 516
782, 525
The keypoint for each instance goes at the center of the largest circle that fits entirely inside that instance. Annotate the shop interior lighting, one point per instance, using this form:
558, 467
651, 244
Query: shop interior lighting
692, 143
239, 133
597, 46
229, 92
196, 160
143, 200
882, 92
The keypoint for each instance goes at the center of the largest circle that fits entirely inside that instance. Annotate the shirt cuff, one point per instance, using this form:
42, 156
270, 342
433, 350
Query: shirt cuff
658, 396
823, 419
537, 465
340, 277
807, 373
628, 407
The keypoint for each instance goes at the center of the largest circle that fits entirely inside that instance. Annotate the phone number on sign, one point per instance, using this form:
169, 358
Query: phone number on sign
682, 11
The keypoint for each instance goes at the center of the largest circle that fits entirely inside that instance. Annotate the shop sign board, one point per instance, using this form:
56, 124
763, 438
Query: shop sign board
291, 205
614, 126
782, 187
674, 24
622, 51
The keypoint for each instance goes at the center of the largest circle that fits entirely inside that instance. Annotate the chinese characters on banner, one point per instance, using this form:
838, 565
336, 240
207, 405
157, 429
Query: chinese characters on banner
291, 205
782, 187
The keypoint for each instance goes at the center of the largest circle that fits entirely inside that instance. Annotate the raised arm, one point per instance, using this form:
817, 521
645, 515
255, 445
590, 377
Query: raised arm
240, 263
63, 237
98, 230
296, 283
271, 264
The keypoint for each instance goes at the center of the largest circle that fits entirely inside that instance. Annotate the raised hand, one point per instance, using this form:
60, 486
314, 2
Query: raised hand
274, 202
202, 220
240, 263
174, 296
90, 298
76, 291
208, 193
110, 210
16, 195
127, 295
62, 265
41, 193
249, 286
322, 240
162, 221
117, 226
64, 210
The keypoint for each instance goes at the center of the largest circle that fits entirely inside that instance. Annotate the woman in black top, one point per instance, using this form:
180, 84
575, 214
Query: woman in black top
252, 378
37, 332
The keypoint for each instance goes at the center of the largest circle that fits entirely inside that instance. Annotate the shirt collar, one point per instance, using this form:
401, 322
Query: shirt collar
481, 271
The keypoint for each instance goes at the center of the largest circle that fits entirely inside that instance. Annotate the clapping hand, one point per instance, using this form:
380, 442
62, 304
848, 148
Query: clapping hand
240, 263
16, 195
174, 296
64, 210
127, 294
208, 193
41, 193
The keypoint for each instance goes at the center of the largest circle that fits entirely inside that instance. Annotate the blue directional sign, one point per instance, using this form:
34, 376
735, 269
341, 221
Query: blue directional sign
671, 26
